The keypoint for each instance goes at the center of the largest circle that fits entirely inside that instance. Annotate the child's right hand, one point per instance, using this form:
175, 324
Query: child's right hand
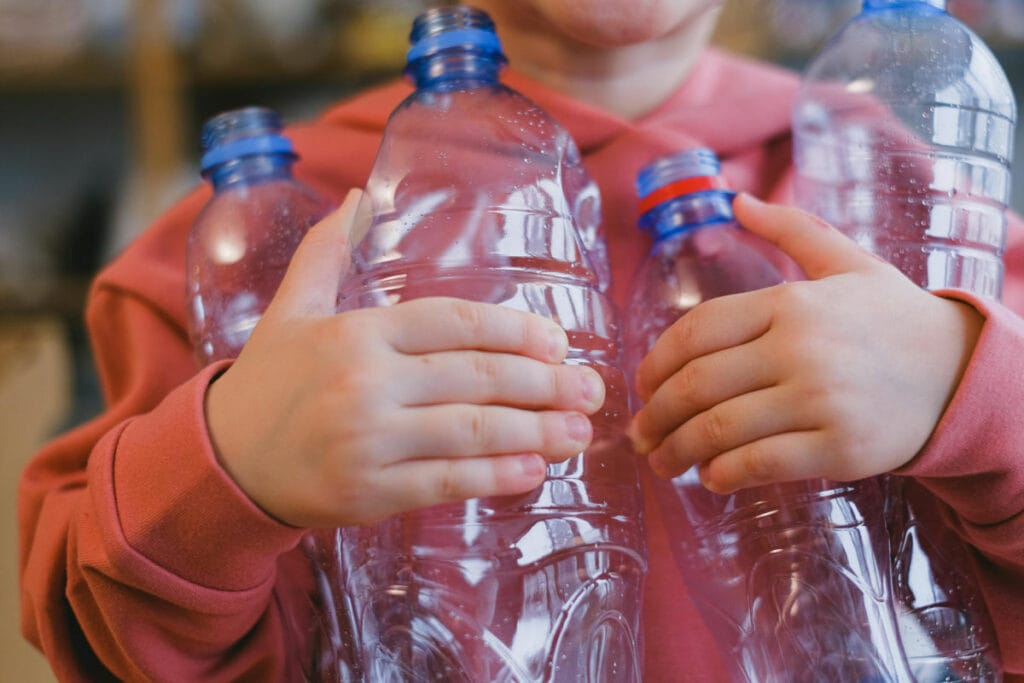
332, 419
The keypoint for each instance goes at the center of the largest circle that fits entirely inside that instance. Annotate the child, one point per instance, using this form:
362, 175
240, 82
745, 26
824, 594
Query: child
158, 540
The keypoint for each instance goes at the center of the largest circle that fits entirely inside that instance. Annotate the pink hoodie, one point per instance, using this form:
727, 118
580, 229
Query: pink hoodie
141, 559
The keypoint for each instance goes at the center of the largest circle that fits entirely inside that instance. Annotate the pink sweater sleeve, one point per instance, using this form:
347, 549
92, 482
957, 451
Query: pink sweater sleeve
974, 462
140, 558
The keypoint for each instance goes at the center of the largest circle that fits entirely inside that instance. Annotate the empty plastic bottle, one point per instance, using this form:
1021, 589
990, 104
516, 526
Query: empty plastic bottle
477, 193
791, 579
903, 139
238, 250
243, 239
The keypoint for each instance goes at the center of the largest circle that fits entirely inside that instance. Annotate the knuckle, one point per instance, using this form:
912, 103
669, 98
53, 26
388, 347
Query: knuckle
686, 385
685, 333
485, 369
469, 316
715, 430
760, 463
450, 485
475, 427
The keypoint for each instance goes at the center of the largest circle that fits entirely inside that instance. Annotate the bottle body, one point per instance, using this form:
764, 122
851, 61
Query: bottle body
791, 579
903, 135
903, 139
243, 239
478, 194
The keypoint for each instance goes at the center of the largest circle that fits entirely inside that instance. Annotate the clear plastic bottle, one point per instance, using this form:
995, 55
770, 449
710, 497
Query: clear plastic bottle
242, 240
903, 134
792, 579
237, 253
477, 193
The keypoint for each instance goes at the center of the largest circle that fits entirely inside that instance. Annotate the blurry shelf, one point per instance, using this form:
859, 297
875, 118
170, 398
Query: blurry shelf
84, 72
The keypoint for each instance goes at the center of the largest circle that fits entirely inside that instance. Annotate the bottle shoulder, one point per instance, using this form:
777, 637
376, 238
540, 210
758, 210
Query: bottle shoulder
910, 56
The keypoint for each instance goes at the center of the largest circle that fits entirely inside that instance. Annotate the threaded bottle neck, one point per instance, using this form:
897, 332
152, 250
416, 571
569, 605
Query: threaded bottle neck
898, 4
682, 192
245, 144
452, 48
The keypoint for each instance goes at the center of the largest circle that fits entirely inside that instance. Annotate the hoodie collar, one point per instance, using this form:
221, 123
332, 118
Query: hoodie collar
703, 109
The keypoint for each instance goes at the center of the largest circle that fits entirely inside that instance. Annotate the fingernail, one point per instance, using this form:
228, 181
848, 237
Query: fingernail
532, 465
593, 389
641, 445
655, 461
557, 343
578, 428
704, 472
749, 199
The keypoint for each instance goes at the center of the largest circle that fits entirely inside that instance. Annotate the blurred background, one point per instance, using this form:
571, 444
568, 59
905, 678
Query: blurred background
100, 106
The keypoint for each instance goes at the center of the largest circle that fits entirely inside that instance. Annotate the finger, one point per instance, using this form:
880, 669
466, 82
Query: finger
310, 286
818, 248
789, 456
714, 325
726, 427
423, 483
467, 431
446, 324
497, 379
696, 387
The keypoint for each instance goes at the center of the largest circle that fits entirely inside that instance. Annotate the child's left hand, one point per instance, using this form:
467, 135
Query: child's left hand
842, 376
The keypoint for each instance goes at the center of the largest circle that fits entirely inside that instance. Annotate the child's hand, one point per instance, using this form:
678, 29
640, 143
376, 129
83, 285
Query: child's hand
336, 419
843, 376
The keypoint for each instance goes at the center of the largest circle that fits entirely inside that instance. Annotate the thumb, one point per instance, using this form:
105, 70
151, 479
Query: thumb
818, 248
310, 286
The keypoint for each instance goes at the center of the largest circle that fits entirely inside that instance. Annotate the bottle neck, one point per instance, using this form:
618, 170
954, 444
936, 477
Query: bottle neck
896, 4
249, 170
455, 70
454, 48
681, 215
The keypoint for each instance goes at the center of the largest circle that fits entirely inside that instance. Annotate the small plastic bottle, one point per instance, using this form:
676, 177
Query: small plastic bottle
903, 134
237, 254
243, 239
477, 193
791, 579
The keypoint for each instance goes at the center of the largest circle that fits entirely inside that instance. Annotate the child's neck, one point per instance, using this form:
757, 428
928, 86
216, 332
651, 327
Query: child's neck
628, 81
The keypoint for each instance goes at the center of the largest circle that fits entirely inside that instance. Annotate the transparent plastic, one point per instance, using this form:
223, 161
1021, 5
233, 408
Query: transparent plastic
477, 193
903, 139
791, 579
237, 253
243, 239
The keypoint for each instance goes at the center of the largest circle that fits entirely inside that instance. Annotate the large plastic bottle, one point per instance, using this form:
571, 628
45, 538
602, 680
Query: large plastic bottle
242, 240
792, 579
479, 194
903, 139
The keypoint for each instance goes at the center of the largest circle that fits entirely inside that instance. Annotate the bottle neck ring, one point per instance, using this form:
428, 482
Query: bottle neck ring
246, 147
685, 213
250, 169
902, 4
678, 188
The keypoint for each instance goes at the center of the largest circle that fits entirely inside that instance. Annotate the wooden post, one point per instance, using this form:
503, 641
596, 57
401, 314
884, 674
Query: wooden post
156, 82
